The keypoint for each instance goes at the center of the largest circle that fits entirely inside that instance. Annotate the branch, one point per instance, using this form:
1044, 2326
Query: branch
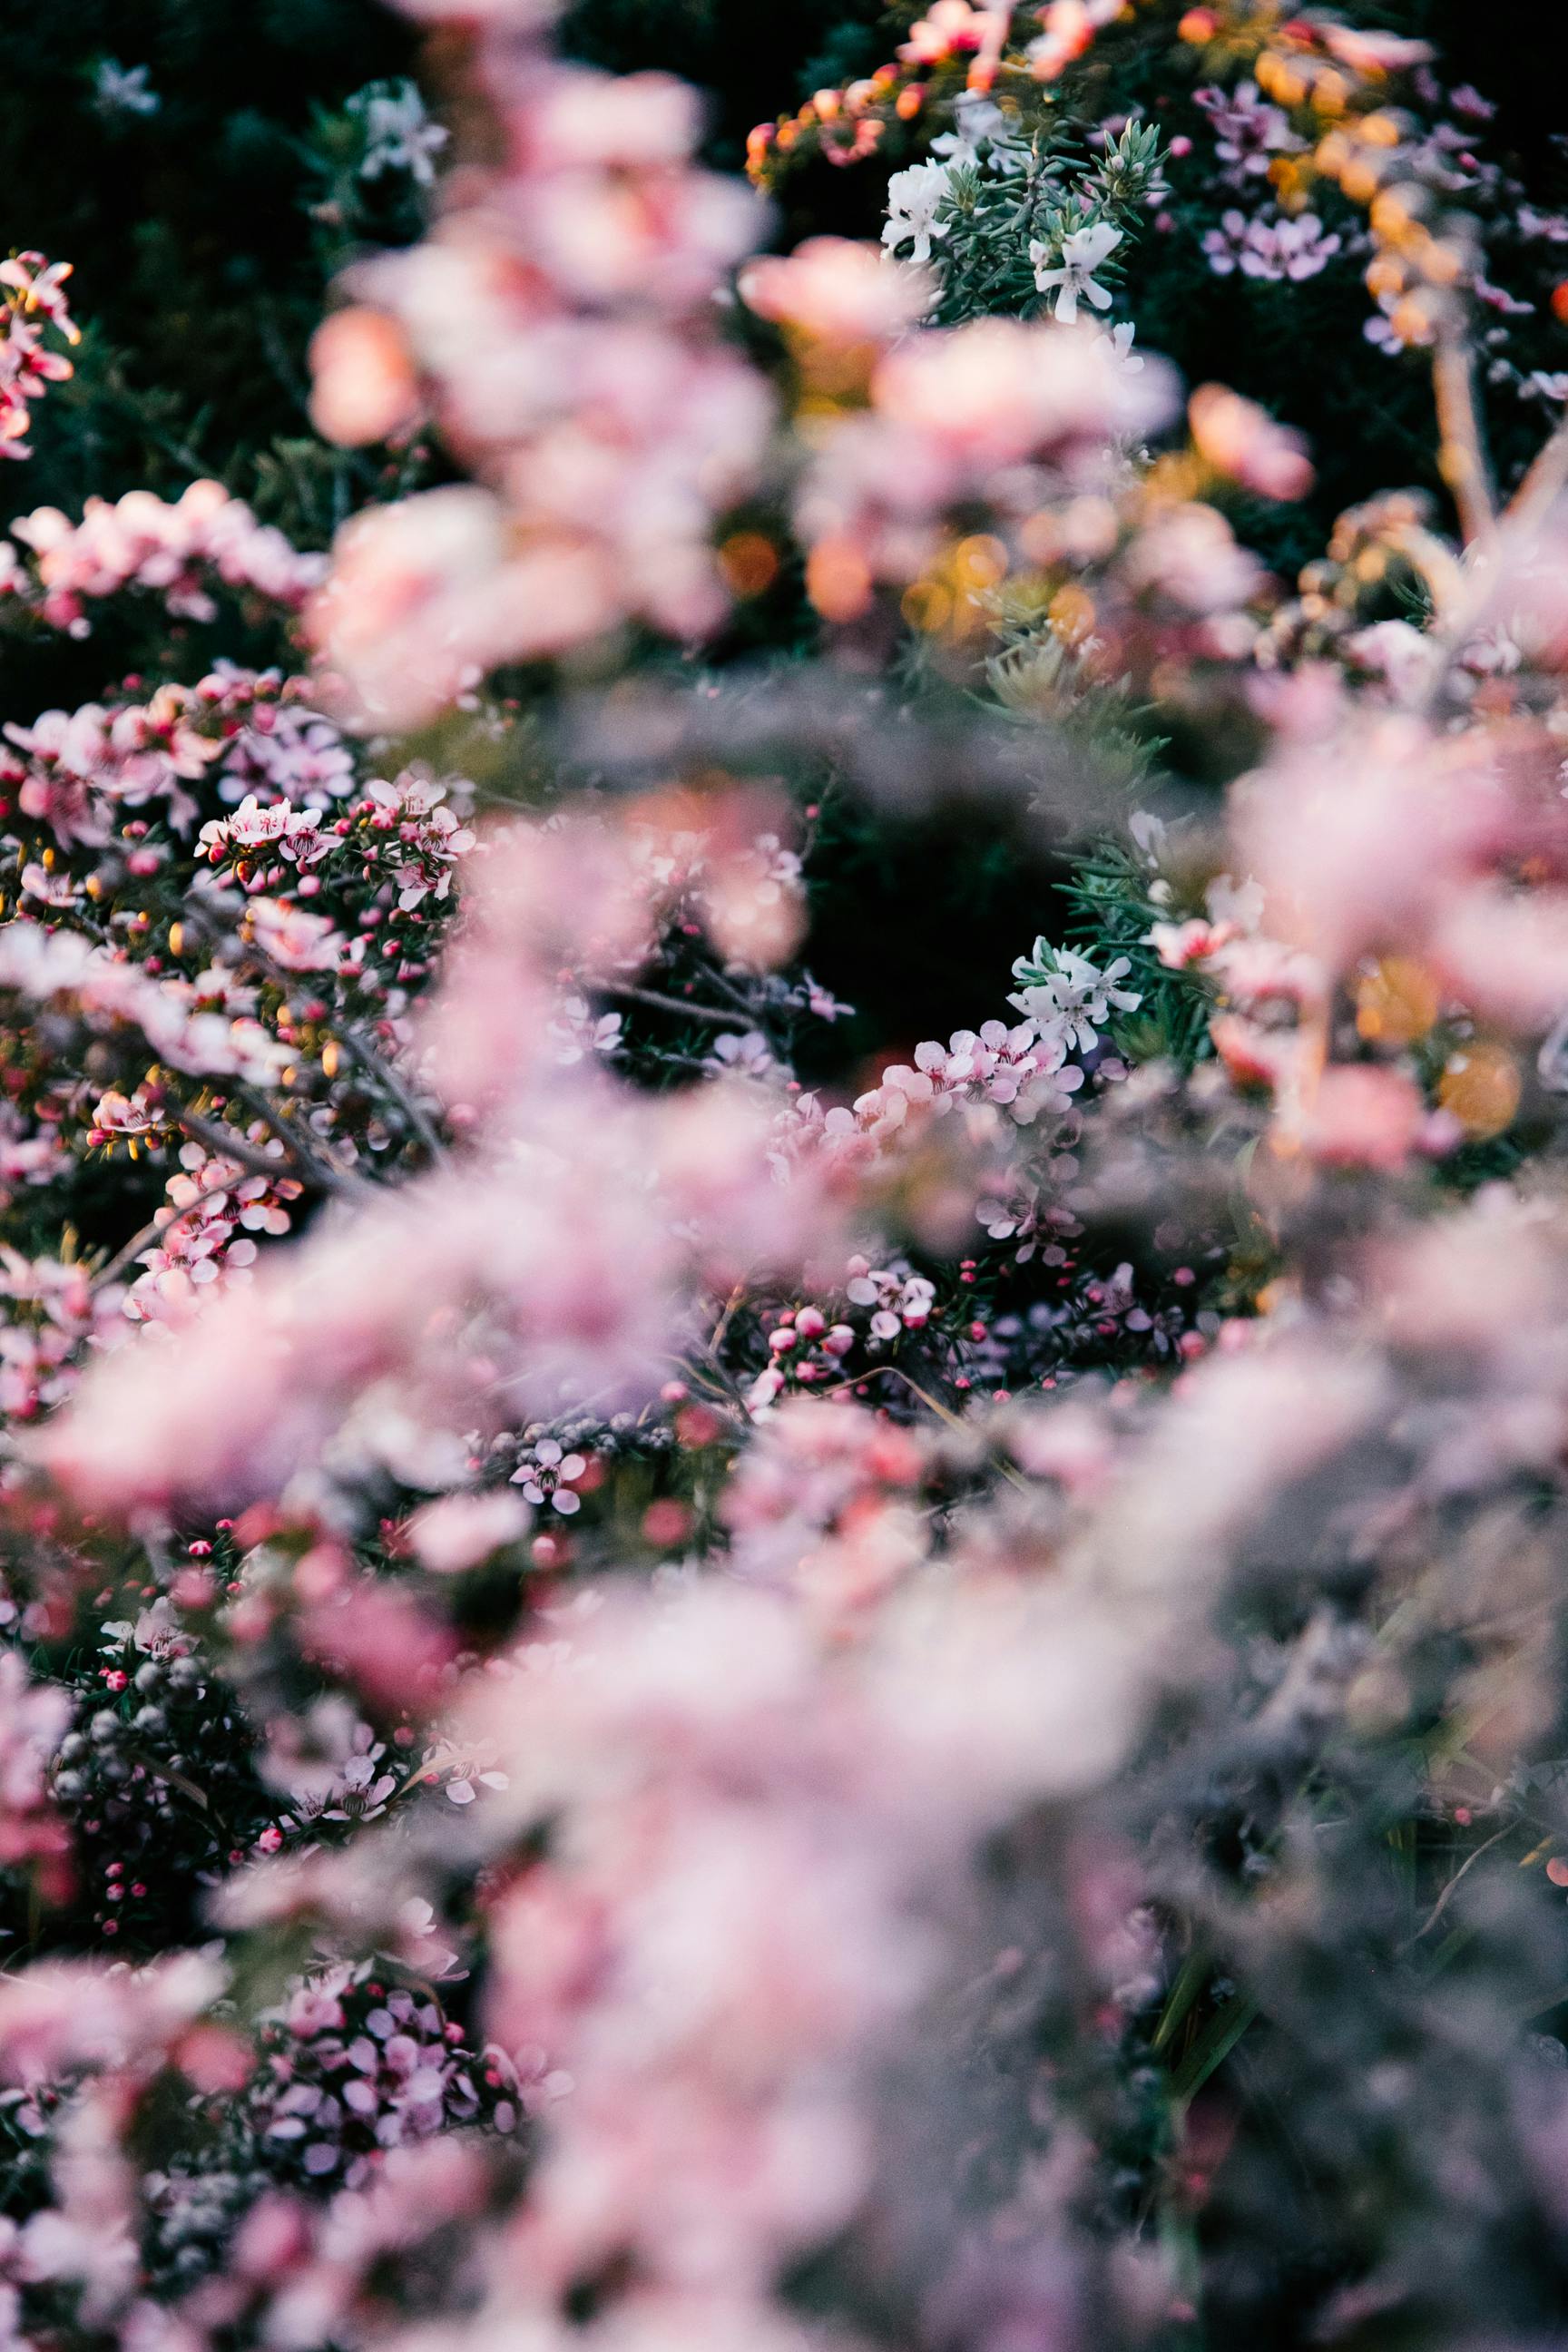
1544, 479
1442, 1903
376, 1066
219, 1138
319, 1167
623, 989
359, 1050
1461, 453
1547, 475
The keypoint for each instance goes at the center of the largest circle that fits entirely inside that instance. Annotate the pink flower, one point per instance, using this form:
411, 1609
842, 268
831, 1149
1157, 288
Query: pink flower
459, 1530
839, 292
1239, 438
40, 286
1362, 1116
293, 937
1248, 131
426, 594
365, 386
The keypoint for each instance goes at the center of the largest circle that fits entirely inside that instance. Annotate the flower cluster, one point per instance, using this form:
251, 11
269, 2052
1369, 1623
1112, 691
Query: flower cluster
554, 329
353, 2068
205, 1234
179, 552
33, 1719
33, 302
684, 1665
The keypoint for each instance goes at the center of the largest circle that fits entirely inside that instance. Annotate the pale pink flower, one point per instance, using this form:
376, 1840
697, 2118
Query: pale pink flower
837, 290
1239, 438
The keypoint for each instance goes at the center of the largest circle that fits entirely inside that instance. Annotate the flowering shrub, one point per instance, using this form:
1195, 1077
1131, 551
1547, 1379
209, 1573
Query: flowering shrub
678, 1666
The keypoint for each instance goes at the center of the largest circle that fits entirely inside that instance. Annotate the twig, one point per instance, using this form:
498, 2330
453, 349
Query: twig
1461, 453
1546, 474
623, 989
1441, 1905
723, 1325
723, 979
361, 1051
1546, 477
219, 1138
321, 1170
376, 1066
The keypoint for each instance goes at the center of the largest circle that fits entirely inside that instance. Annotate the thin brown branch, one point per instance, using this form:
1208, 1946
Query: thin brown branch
360, 1051
624, 989
1461, 452
1441, 1905
377, 1068
216, 1136
1544, 479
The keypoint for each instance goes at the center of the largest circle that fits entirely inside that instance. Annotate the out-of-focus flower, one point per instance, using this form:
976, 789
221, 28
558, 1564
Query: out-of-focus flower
399, 135
428, 593
363, 384
1239, 438
1070, 28
123, 89
1271, 245
459, 1530
837, 289
1360, 1117
1248, 131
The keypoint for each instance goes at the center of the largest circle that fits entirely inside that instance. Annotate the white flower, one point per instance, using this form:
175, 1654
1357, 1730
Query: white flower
1121, 345
977, 119
912, 200
750, 1055
399, 135
575, 1033
1240, 903
1148, 833
1076, 998
1083, 251
123, 89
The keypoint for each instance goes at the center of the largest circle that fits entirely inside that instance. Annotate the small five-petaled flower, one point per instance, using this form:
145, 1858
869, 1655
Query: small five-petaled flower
1082, 252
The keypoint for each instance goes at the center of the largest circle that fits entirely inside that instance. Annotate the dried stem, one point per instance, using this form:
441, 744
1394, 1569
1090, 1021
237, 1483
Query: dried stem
1461, 453
1546, 477
623, 989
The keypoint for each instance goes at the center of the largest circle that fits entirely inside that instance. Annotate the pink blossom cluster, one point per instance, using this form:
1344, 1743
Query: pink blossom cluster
179, 551
75, 770
203, 1026
557, 324
215, 1206
34, 298
809, 1345
1023, 1070
357, 2068
998, 412
655, 1672
1271, 245
1249, 129
33, 1719
47, 1310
